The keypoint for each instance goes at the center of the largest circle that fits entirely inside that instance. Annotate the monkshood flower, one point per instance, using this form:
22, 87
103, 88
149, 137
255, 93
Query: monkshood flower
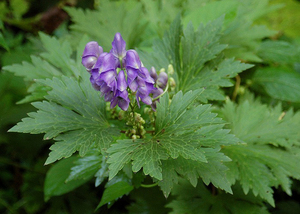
120, 73
119, 49
90, 55
138, 77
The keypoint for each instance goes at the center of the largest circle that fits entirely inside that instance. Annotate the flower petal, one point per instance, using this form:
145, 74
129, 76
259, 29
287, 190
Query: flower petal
132, 59
121, 81
118, 46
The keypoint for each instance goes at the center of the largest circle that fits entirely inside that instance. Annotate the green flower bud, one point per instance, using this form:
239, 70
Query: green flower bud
170, 69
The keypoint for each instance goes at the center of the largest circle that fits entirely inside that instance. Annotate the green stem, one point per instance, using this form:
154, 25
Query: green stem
149, 185
156, 98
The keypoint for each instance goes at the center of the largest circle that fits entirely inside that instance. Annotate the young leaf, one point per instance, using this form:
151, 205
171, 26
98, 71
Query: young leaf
115, 191
74, 115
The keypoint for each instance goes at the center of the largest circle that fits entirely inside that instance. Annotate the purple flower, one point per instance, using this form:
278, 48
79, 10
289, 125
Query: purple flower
143, 91
134, 70
90, 55
104, 70
113, 85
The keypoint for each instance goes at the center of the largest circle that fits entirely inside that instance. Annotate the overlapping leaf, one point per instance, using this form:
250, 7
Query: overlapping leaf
203, 201
258, 164
74, 115
102, 24
197, 58
193, 135
243, 38
55, 61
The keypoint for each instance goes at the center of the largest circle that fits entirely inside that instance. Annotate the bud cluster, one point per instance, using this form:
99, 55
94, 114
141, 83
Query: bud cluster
137, 123
120, 71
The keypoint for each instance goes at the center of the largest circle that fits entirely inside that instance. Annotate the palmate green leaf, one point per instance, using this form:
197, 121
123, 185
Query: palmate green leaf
243, 38
281, 83
197, 58
55, 61
102, 24
74, 116
253, 122
201, 200
191, 134
257, 164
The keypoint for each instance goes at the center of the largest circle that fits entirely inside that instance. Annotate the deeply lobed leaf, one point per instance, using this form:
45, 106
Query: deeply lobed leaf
74, 115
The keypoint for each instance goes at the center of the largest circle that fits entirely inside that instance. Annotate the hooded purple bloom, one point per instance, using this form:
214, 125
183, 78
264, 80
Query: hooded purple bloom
143, 91
90, 55
135, 70
118, 46
118, 49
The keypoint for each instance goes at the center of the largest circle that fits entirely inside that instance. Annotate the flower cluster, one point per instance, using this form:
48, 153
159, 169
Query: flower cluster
120, 71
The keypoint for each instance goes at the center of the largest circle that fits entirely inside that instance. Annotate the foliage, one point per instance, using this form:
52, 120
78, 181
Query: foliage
224, 136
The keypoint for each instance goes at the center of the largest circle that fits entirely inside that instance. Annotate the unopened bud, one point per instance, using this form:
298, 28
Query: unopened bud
153, 73
133, 137
162, 80
162, 70
172, 83
170, 69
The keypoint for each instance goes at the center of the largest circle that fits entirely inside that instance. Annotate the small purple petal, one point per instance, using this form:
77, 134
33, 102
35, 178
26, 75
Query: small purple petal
147, 76
132, 59
109, 96
108, 63
93, 82
123, 104
156, 92
121, 81
88, 62
147, 100
131, 73
114, 102
133, 85
108, 76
